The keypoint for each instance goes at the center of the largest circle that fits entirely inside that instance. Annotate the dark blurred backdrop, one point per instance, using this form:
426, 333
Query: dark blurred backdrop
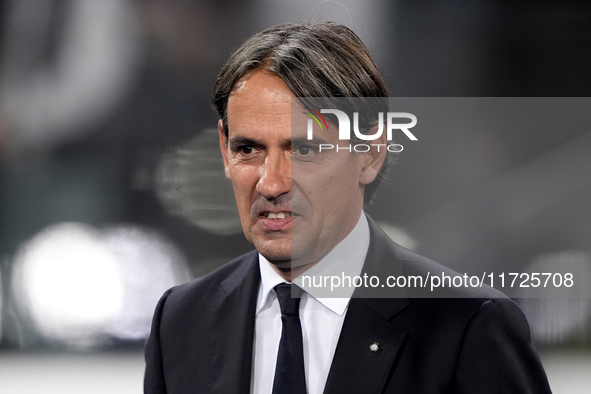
111, 187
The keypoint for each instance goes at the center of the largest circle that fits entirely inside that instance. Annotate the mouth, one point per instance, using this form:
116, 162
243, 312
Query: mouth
276, 215
275, 221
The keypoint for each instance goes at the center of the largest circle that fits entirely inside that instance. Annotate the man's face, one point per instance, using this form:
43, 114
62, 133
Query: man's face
295, 203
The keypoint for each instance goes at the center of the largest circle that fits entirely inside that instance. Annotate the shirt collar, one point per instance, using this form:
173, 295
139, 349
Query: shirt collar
269, 279
348, 255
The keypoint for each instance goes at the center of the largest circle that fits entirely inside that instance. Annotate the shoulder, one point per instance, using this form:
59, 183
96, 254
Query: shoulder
443, 282
436, 294
457, 306
466, 335
420, 277
206, 289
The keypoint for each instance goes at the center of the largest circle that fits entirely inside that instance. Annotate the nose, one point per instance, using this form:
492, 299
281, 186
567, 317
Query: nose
275, 177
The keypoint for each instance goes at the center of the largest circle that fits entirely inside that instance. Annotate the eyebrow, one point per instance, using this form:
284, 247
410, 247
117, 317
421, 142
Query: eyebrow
238, 140
305, 141
235, 141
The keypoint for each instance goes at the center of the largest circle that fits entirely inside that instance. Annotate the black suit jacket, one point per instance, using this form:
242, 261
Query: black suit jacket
475, 341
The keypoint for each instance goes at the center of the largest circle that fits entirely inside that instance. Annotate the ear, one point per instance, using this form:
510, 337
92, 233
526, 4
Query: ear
373, 160
224, 148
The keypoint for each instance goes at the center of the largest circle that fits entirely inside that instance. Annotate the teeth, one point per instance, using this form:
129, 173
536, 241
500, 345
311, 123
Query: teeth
278, 215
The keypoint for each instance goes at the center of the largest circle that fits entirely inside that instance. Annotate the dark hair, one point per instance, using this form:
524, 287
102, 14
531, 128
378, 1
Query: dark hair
315, 60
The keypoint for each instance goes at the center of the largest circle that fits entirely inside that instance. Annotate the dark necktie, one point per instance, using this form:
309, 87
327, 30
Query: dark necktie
290, 377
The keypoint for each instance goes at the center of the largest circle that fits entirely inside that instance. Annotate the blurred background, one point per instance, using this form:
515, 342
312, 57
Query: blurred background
112, 190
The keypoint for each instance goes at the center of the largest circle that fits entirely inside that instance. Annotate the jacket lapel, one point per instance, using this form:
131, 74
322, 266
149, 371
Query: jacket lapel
359, 367
355, 367
231, 342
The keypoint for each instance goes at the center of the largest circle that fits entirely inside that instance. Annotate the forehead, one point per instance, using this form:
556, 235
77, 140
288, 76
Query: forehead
262, 105
259, 95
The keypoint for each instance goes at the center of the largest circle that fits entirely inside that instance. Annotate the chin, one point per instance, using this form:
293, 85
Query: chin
279, 260
274, 253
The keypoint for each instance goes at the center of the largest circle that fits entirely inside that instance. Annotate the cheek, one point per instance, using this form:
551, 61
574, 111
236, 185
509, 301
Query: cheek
340, 185
241, 174
319, 188
330, 186
244, 180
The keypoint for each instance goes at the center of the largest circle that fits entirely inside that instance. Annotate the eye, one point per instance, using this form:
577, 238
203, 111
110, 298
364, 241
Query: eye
246, 149
304, 150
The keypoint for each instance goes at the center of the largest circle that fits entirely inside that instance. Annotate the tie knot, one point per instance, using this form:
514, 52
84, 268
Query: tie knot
289, 305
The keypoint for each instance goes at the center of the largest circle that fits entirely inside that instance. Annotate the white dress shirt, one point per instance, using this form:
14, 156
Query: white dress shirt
321, 318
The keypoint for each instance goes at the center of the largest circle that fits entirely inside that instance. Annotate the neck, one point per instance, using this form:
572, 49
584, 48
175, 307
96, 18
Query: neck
286, 271
291, 269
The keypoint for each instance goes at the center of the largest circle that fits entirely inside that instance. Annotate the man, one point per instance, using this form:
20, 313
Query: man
231, 331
